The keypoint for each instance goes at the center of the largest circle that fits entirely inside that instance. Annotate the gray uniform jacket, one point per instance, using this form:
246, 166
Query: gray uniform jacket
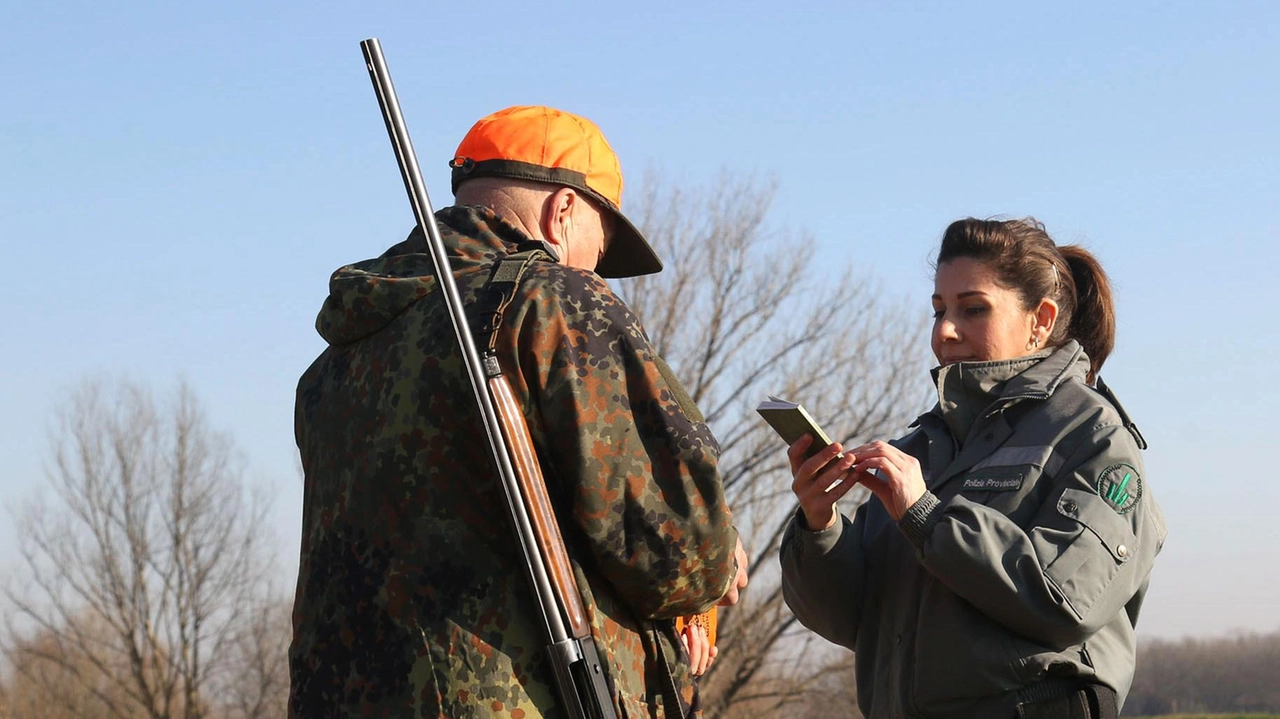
1022, 567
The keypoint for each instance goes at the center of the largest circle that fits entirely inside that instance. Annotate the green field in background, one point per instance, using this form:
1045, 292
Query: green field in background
1206, 716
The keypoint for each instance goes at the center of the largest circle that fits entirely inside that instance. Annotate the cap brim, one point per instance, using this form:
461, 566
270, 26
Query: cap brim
629, 254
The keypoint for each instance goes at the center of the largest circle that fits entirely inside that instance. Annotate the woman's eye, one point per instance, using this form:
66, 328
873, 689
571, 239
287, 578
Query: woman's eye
937, 314
975, 311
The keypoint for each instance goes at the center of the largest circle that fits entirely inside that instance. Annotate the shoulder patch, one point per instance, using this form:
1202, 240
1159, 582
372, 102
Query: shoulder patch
1121, 487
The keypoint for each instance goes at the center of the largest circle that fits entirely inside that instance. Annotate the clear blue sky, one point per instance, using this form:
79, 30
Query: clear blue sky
179, 179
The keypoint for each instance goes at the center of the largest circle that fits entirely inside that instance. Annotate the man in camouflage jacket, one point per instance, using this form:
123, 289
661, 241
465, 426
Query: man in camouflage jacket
411, 597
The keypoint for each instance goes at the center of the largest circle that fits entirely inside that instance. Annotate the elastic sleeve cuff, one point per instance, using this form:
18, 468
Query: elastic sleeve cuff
919, 519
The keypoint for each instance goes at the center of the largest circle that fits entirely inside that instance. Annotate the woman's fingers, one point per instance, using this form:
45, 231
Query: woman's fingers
795, 453
819, 481
893, 475
831, 484
878, 448
891, 463
885, 470
804, 473
818, 492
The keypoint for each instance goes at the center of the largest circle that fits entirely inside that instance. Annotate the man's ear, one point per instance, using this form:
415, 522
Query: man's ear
557, 218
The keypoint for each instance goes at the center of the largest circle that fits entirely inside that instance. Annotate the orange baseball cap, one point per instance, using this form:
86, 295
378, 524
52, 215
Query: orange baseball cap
548, 145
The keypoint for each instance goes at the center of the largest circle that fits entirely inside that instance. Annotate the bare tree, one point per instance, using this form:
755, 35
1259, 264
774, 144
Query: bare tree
256, 683
749, 311
139, 577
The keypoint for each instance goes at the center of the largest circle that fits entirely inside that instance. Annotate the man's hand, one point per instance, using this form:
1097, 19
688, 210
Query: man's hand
740, 581
701, 652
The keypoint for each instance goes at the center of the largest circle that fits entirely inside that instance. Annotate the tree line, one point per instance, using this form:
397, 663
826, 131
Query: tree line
1237, 673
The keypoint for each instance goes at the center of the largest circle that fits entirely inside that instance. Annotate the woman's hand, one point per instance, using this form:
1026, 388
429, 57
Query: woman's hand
819, 481
701, 652
897, 481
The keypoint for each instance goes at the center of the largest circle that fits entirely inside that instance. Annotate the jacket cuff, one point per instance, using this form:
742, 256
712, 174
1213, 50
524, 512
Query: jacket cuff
919, 519
816, 543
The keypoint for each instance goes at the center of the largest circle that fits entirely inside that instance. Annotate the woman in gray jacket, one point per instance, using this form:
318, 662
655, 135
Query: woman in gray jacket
999, 570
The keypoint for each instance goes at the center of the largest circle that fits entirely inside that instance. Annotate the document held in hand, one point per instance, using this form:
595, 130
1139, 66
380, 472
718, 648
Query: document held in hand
792, 422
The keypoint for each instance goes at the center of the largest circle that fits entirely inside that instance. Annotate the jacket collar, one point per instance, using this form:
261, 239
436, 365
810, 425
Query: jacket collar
967, 389
1038, 381
1005, 381
1064, 363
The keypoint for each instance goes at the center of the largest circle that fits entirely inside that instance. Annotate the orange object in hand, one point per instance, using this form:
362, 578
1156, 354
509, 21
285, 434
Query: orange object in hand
706, 620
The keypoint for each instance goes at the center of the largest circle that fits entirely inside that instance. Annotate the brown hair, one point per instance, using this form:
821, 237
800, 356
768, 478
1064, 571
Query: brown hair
1025, 260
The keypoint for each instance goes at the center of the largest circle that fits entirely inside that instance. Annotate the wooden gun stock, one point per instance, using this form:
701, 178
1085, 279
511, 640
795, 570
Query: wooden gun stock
533, 488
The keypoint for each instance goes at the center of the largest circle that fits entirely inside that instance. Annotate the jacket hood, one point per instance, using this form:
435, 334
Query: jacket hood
366, 296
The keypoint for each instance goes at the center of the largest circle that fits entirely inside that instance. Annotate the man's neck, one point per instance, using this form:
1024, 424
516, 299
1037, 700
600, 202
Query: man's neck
512, 204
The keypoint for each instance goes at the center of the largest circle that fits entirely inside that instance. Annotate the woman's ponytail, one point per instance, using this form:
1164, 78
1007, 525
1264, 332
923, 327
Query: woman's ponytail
1093, 321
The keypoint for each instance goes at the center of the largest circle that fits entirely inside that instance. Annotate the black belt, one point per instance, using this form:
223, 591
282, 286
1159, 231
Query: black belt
1067, 699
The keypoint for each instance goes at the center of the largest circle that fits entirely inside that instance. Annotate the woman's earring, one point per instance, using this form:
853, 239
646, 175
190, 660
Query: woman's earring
1034, 343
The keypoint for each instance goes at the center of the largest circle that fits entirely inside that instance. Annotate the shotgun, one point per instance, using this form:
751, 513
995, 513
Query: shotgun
579, 673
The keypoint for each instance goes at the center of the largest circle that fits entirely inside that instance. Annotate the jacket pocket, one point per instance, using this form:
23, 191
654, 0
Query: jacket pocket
1091, 559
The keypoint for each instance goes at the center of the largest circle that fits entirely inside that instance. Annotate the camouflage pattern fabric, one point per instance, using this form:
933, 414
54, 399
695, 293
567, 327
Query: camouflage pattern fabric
411, 599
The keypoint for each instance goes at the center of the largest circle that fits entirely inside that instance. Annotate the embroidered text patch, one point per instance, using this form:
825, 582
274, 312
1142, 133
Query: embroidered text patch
996, 484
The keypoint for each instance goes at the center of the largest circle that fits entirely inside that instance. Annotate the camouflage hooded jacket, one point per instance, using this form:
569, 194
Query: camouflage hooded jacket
411, 600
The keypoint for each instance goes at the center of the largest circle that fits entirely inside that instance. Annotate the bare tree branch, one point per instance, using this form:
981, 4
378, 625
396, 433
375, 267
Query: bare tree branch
742, 312
148, 571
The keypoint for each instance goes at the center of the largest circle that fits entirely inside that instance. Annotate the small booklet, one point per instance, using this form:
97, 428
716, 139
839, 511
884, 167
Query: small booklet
792, 422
